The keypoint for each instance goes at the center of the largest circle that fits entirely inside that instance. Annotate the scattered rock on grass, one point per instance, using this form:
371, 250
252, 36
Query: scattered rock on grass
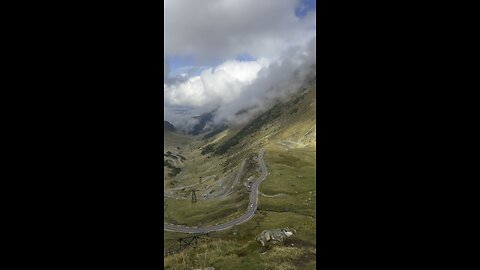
274, 236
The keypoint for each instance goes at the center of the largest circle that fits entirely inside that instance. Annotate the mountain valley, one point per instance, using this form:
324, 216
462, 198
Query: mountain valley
208, 180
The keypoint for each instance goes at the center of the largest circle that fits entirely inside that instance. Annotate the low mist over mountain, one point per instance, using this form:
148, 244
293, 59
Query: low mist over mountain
266, 58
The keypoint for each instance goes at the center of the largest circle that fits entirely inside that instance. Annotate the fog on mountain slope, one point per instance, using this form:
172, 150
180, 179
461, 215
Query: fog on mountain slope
237, 99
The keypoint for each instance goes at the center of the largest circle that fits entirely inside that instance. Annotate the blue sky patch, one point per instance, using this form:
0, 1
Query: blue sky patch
188, 65
304, 7
245, 57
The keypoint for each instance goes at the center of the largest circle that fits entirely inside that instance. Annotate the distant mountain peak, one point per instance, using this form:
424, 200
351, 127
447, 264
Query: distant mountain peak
205, 123
168, 126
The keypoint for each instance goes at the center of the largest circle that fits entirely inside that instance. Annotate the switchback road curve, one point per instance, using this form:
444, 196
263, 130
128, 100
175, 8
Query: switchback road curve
252, 207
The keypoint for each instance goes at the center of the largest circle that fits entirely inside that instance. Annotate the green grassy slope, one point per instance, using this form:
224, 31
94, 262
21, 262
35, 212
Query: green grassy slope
288, 133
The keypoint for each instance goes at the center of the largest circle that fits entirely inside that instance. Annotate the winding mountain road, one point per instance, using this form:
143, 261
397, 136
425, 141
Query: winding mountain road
252, 207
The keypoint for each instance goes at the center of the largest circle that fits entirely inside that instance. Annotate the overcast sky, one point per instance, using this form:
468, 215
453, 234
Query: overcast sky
234, 54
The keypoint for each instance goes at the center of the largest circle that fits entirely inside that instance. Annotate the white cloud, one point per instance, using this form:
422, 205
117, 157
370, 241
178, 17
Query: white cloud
223, 29
214, 86
220, 30
234, 86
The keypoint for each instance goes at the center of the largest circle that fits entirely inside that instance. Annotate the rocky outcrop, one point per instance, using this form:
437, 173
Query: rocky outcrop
274, 236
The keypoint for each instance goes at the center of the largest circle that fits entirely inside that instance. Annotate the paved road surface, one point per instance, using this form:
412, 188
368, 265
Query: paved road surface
252, 207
